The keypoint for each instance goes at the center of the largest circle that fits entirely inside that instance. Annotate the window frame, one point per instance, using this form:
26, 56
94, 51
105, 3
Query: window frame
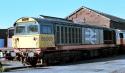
46, 24
32, 32
15, 31
26, 24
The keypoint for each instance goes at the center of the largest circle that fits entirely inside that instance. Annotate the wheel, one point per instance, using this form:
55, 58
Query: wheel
32, 61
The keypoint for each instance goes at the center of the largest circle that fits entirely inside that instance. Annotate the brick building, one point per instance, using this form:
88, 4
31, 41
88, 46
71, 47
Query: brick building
93, 17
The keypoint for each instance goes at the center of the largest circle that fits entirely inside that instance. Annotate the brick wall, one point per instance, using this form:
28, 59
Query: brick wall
90, 17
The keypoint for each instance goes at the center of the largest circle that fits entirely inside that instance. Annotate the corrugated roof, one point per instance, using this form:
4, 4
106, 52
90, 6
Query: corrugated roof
113, 18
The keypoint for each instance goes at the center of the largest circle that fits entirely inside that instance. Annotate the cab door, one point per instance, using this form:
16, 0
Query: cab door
121, 38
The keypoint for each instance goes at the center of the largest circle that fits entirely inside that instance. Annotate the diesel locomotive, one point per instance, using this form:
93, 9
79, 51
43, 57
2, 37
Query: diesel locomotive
49, 40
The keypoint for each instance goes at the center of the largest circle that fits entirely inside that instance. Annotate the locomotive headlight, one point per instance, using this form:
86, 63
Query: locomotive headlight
31, 54
13, 54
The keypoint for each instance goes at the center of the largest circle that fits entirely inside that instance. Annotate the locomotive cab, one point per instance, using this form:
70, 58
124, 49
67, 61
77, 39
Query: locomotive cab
26, 35
30, 35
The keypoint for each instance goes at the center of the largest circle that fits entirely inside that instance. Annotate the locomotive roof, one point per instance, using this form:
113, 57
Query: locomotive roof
65, 21
61, 21
56, 18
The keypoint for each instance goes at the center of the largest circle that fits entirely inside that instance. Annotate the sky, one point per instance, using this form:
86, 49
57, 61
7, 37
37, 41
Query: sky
11, 10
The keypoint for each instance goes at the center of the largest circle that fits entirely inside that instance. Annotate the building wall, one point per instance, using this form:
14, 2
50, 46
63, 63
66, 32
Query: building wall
90, 17
3, 37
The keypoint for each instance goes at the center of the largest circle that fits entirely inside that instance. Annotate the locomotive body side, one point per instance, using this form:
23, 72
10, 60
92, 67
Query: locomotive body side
83, 37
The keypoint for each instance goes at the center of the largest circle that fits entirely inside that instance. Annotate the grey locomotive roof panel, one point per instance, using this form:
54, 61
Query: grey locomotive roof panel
55, 18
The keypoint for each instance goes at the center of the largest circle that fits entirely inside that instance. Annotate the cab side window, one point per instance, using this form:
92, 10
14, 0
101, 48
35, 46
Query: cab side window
121, 35
46, 29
